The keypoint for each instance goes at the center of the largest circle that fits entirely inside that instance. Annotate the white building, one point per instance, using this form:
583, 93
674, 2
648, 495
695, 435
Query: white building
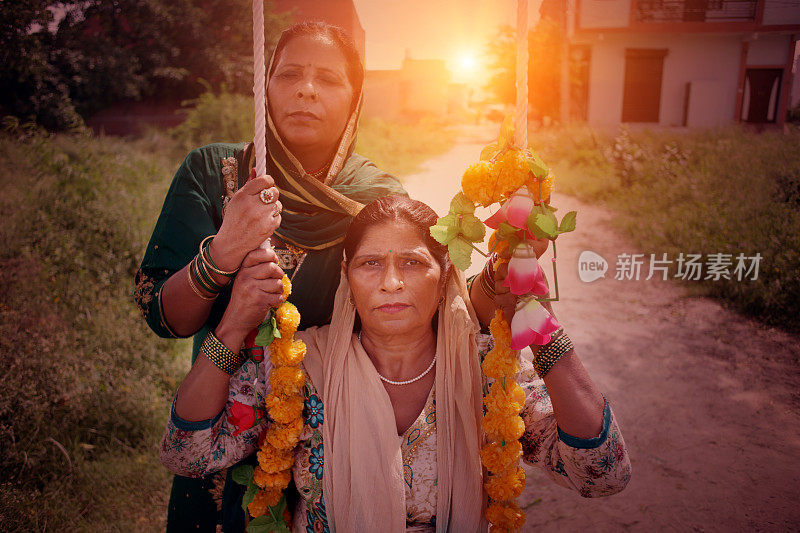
695, 63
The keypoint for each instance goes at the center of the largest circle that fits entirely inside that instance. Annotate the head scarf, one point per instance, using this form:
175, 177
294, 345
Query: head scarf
316, 214
363, 480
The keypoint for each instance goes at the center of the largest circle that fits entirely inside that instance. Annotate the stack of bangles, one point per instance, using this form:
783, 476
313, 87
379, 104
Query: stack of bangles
200, 273
547, 355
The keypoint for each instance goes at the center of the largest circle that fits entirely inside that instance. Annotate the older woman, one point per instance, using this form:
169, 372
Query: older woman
314, 96
396, 446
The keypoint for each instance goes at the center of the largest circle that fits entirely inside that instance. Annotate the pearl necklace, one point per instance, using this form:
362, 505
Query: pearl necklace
412, 380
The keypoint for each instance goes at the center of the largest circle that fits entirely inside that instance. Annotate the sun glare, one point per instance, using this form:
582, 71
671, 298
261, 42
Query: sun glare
466, 65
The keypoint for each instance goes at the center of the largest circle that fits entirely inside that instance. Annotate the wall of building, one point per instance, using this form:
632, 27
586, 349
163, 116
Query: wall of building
604, 13
781, 12
712, 61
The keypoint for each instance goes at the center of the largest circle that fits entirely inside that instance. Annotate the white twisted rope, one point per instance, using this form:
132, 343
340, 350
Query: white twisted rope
521, 119
259, 99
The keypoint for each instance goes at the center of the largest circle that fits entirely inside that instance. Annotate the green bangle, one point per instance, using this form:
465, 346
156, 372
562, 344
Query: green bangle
550, 353
204, 278
220, 355
205, 256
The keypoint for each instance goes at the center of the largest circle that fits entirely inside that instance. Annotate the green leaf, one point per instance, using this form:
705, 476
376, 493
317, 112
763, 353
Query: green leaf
267, 331
461, 205
546, 225
249, 494
242, 474
444, 234
489, 151
568, 222
536, 165
472, 228
460, 253
507, 133
272, 521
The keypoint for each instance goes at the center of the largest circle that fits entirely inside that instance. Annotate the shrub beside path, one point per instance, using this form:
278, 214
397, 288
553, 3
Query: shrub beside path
707, 399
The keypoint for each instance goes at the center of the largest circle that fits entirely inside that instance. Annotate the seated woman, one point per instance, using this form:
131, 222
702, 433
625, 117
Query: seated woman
398, 372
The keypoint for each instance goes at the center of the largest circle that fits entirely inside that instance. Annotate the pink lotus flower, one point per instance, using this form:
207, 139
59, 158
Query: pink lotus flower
525, 275
532, 324
515, 211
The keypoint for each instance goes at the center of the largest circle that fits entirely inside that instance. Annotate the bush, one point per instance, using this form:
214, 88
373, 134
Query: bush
86, 386
723, 191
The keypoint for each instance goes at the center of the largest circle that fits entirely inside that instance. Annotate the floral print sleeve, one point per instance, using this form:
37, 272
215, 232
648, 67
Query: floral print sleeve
594, 467
196, 449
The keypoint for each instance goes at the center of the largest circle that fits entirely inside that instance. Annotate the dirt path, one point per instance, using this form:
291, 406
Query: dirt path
708, 401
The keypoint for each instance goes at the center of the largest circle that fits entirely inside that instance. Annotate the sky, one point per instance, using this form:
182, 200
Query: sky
452, 30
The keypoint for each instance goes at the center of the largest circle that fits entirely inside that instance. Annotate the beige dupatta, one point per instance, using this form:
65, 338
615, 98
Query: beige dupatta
363, 477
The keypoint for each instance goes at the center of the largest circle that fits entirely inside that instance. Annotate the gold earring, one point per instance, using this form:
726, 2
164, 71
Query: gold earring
350, 299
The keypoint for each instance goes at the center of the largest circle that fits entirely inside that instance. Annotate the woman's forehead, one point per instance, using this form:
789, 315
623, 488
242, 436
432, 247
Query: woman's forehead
397, 236
318, 51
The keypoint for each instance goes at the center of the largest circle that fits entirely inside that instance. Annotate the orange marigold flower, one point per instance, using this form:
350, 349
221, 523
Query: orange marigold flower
284, 436
508, 401
506, 485
479, 183
287, 287
513, 171
288, 318
287, 352
277, 480
287, 380
272, 460
500, 330
284, 409
500, 427
547, 184
497, 457
500, 363
262, 500
508, 516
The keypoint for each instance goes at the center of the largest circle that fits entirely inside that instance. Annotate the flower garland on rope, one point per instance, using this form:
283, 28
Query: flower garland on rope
266, 482
520, 181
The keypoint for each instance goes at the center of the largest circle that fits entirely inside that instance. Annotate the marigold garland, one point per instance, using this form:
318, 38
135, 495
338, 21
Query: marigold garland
487, 182
503, 427
284, 404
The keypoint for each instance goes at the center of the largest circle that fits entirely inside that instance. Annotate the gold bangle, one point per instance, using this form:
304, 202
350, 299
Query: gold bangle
549, 354
220, 355
195, 289
209, 263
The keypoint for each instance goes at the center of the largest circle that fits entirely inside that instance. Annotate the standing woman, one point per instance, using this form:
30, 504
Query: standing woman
213, 216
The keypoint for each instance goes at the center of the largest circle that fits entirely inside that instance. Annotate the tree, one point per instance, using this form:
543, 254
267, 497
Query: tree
104, 51
544, 67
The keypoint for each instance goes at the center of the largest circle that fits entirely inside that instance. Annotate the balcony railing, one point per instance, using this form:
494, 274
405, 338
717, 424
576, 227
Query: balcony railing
695, 10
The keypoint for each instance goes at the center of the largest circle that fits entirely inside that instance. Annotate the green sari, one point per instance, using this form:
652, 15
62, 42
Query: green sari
315, 218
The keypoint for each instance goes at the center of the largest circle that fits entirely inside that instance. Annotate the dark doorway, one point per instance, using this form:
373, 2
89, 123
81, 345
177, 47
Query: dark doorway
641, 99
762, 92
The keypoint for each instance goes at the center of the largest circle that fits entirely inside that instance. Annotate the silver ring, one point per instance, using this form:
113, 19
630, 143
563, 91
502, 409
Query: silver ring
277, 211
267, 196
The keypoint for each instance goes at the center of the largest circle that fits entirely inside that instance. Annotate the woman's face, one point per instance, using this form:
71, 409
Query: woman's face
395, 280
309, 95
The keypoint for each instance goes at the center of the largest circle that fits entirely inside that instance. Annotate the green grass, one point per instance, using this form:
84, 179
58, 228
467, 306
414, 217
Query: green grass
85, 384
726, 191
400, 149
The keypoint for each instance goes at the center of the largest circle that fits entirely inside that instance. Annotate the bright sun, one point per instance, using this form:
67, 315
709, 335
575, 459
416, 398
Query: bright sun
466, 65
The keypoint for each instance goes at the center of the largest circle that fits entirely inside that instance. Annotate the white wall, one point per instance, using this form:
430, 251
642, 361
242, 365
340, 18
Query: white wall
768, 50
604, 13
706, 58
